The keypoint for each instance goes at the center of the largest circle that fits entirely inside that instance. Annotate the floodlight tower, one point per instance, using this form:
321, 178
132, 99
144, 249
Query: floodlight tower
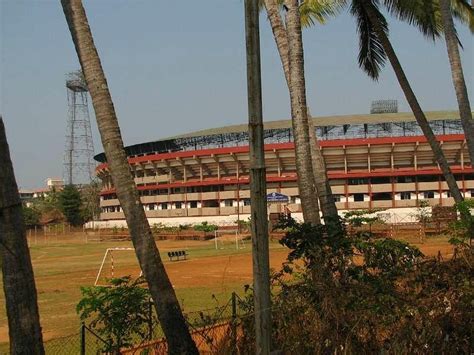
79, 151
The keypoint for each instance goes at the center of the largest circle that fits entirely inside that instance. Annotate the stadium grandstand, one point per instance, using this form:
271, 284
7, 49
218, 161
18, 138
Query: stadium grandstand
374, 161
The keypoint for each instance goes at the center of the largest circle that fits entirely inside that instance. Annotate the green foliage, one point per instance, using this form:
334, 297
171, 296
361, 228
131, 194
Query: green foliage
48, 202
357, 218
183, 227
423, 212
90, 195
31, 216
353, 294
463, 229
117, 313
163, 228
205, 227
70, 203
244, 225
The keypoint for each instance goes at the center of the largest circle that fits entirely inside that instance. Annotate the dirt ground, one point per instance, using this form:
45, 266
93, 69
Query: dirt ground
62, 266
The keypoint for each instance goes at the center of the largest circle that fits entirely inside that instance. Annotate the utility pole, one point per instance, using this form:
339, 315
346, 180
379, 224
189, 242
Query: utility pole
258, 188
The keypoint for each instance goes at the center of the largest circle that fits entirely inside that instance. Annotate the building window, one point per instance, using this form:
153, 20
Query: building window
247, 202
164, 206
405, 195
179, 205
382, 196
337, 198
405, 179
428, 194
360, 181
359, 197
448, 194
151, 206
428, 178
228, 203
380, 180
210, 203
193, 204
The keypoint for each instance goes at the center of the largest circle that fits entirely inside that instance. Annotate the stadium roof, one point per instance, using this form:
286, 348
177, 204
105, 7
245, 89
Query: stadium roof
328, 121
175, 142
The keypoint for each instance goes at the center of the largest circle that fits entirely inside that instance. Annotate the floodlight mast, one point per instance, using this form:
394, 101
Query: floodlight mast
79, 162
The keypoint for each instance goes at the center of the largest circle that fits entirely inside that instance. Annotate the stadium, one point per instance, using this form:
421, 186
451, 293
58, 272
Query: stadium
374, 161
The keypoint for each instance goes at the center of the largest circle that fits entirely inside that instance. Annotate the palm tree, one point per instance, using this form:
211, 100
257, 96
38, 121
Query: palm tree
322, 188
299, 114
18, 279
375, 47
166, 304
456, 67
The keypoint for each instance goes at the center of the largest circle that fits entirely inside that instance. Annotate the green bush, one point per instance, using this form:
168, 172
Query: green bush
117, 313
340, 293
205, 227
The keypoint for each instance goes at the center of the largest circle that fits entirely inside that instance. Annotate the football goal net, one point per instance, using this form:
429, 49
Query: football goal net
117, 262
228, 239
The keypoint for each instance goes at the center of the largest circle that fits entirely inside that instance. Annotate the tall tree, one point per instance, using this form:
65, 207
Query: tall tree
280, 34
258, 188
166, 303
299, 113
375, 47
71, 205
457, 70
18, 278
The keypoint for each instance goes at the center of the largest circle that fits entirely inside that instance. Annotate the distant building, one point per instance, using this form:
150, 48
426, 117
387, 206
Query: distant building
55, 183
27, 196
373, 161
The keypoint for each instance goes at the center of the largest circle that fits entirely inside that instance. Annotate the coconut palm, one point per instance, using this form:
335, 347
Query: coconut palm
375, 47
310, 162
18, 279
166, 304
299, 114
447, 8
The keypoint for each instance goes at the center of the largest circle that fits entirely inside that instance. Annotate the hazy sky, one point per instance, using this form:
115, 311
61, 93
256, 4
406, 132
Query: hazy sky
179, 66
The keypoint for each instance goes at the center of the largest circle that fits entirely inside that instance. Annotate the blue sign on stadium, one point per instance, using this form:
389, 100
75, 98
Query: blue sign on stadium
277, 197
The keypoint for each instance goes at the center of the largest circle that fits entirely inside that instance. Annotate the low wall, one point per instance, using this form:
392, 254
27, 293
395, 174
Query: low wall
390, 215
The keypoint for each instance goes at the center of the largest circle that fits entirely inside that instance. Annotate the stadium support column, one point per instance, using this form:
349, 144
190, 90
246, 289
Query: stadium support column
258, 205
440, 190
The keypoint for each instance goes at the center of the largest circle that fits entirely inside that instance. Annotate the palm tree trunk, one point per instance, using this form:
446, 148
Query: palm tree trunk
167, 305
258, 186
18, 279
280, 35
323, 189
326, 198
297, 89
413, 102
458, 75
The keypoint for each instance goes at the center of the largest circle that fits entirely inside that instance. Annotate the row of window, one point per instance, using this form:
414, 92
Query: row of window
359, 197
354, 181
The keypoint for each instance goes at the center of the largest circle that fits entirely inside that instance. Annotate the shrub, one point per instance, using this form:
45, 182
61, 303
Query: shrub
205, 227
340, 293
117, 313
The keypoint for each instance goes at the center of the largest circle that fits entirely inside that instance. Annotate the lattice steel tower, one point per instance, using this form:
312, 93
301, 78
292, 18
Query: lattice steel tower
79, 151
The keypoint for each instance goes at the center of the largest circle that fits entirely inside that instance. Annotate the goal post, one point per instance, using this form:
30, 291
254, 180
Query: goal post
109, 255
228, 239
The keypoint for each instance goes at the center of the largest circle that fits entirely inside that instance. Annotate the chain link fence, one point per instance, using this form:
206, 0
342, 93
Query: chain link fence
214, 330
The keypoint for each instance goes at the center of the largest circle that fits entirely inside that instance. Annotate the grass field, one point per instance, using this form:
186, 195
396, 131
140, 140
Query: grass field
64, 264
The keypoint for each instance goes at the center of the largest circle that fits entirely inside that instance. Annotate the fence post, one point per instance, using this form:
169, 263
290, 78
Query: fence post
150, 319
233, 324
83, 339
